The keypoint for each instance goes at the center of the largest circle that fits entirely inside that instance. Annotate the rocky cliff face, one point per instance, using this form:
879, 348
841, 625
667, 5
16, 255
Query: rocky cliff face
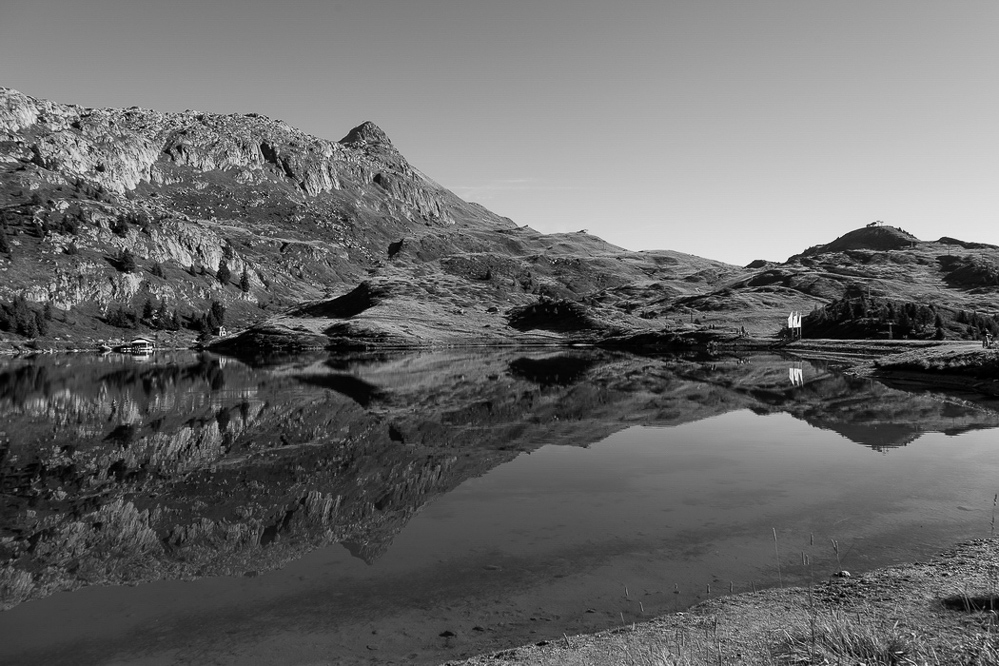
291, 216
120, 149
105, 209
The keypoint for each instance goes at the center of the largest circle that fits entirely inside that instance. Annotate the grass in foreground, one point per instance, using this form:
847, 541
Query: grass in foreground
832, 638
838, 638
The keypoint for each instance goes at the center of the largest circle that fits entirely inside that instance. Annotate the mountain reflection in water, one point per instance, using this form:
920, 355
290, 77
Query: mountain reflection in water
188, 465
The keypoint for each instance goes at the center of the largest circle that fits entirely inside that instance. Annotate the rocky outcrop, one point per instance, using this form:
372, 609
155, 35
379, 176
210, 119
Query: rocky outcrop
200, 190
119, 149
287, 218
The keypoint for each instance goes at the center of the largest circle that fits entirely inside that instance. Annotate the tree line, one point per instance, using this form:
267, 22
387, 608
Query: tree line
31, 320
159, 316
862, 316
25, 319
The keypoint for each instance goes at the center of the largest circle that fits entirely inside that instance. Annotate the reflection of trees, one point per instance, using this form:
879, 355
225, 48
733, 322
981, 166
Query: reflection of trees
157, 378
561, 370
881, 436
123, 435
306, 454
17, 385
356, 389
124, 392
211, 372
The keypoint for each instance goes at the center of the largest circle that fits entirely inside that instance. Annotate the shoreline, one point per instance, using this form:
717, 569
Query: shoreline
942, 611
641, 363
947, 365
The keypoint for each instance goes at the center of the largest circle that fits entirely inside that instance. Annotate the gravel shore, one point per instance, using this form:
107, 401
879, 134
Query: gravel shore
938, 612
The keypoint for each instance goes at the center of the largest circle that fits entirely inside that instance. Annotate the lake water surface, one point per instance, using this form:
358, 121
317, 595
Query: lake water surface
416, 508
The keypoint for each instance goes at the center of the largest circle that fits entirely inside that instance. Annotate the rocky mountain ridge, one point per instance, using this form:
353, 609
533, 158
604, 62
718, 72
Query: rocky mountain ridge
122, 149
105, 209
124, 222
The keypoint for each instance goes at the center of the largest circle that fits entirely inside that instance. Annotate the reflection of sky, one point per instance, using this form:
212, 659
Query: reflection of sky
734, 473
648, 507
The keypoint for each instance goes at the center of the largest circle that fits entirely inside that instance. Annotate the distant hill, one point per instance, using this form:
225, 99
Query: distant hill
858, 284
867, 238
125, 222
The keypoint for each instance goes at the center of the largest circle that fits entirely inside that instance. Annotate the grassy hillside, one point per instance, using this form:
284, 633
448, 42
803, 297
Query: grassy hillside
124, 222
129, 221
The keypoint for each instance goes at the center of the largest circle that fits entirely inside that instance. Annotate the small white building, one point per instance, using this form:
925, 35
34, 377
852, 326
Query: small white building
141, 346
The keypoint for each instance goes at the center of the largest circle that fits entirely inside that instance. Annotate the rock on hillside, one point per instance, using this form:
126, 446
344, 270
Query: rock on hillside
291, 216
121, 149
106, 210
124, 222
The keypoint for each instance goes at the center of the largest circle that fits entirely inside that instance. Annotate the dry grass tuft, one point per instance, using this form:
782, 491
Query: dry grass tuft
838, 638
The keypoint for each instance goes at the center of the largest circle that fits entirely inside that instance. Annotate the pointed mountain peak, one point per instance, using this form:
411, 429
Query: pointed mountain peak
366, 134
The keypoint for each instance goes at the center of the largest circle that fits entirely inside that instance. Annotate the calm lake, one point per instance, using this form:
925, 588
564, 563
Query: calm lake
414, 508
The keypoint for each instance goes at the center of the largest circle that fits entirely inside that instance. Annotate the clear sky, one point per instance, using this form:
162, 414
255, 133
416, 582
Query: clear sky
733, 130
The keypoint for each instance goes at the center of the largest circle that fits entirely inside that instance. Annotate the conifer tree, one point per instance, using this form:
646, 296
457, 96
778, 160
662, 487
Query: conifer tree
223, 274
147, 310
119, 227
41, 324
217, 313
162, 315
126, 261
24, 318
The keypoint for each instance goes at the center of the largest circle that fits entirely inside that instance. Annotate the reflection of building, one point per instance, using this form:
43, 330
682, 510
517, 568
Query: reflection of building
796, 375
141, 346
